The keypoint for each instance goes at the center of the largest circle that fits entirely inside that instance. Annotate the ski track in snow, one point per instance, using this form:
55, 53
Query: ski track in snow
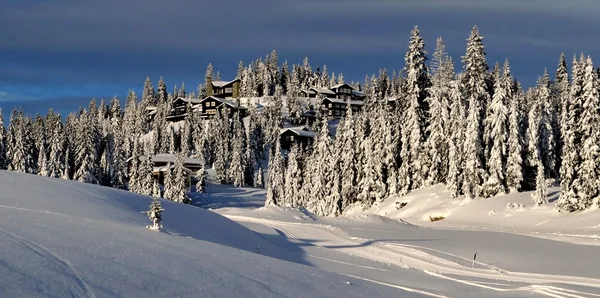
44, 251
416, 257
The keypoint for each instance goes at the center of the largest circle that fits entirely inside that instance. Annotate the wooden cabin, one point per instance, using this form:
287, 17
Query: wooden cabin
210, 106
226, 89
336, 108
342, 91
295, 135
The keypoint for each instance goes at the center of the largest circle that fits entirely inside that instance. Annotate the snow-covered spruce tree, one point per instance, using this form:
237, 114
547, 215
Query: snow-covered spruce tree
186, 134
129, 123
275, 179
260, 178
118, 159
572, 110
145, 174
547, 131
541, 189
135, 177
148, 95
2, 142
348, 160
155, 214
201, 180
293, 102
293, 177
56, 159
318, 172
156, 193
415, 116
106, 165
85, 152
438, 129
42, 161
475, 90
162, 91
514, 162
238, 159
169, 180
560, 101
179, 194
497, 123
456, 158
15, 149
589, 130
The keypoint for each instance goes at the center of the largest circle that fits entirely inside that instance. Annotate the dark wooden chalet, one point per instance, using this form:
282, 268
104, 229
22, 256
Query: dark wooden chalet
212, 105
296, 135
336, 108
179, 108
342, 91
226, 89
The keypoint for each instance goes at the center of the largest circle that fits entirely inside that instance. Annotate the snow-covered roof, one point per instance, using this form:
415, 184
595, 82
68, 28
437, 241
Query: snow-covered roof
228, 102
222, 83
326, 91
311, 91
299, 130
190, 100
164, 169
358, 93
340, 85
164, 157
356, 102
336, 100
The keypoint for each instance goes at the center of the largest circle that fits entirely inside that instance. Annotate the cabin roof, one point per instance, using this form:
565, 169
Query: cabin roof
300, 131
223, 83
335, 100
170, 158
228, 102
341, 85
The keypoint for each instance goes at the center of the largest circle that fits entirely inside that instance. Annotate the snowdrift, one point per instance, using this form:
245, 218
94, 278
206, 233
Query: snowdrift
66, 239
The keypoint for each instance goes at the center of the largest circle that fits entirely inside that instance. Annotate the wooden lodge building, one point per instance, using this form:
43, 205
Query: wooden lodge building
295, 135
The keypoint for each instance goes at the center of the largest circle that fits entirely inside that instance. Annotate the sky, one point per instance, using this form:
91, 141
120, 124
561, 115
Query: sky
62, 53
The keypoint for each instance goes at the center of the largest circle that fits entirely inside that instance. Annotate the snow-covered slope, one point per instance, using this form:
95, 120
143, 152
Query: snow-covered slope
515, 213
66, 239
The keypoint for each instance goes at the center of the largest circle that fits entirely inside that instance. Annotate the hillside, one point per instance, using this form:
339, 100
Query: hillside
66, 239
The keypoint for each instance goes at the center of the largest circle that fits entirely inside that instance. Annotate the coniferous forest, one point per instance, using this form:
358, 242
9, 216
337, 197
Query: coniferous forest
477, 131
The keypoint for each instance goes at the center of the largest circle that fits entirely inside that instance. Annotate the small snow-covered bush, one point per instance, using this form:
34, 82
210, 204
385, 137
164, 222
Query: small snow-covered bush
400, 205
436, 218
515, 207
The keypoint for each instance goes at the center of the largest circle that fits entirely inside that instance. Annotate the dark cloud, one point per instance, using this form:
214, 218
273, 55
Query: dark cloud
67, 48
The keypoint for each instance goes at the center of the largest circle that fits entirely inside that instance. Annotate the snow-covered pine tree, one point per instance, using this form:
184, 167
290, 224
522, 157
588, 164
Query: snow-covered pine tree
546, 126
541, 189
560, 100
497, 123
85, 152
135, 177
148, 95
155, 214
275, 179
2, 142
260, 178
156, 193
514, 162
169, 181
118, 159
475, 90
415, 116
42, 161
589, 130
318, 171
146, 176
293, 177
179, 194
456, 158
15, 149
438, 129
201, 180
238, 154
348, 160
162, 91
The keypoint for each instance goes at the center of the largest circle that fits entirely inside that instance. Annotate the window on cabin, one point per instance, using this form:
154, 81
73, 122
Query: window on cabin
330, 112
207, 104
291, 138
229, 90
212, 104
330, 106
337, 113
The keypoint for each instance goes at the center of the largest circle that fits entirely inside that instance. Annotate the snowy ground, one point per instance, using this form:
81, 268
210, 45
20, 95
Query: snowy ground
405, 249
66, 239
